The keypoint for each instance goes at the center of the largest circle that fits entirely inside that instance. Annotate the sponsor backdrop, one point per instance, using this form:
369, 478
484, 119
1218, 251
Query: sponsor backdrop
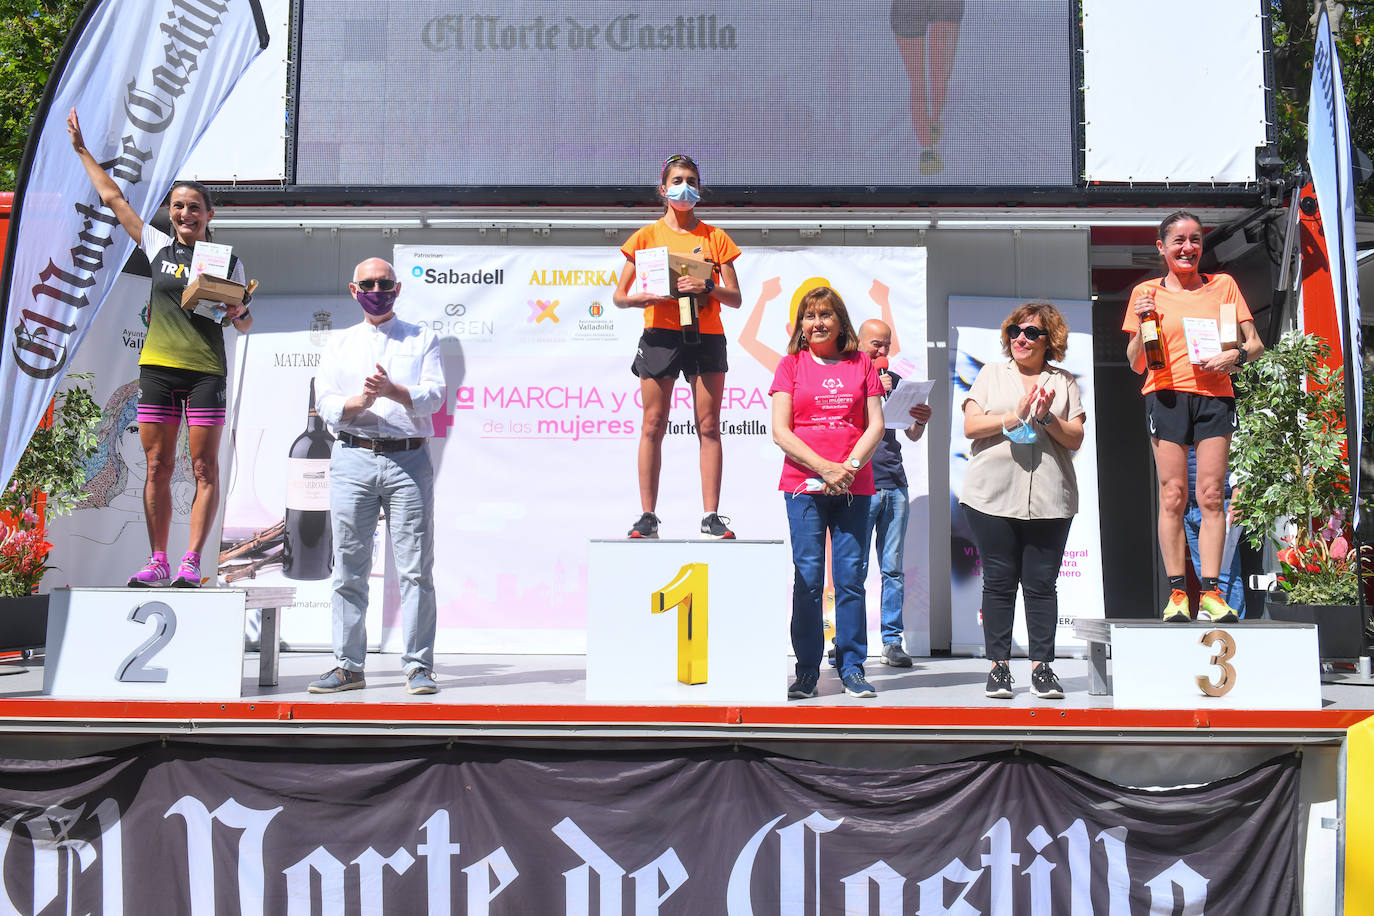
975, 340
535, 450
176, 829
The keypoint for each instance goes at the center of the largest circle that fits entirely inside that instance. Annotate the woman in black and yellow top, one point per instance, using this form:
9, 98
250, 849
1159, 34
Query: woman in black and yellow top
182, 367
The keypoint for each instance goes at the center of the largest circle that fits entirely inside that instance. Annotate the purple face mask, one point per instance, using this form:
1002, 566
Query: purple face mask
376, 302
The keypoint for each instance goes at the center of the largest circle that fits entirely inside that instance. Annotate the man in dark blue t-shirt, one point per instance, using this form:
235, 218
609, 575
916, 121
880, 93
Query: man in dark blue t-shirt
887, 515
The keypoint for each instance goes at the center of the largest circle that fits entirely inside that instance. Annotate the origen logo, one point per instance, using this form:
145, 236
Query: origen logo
539, 310
595, 310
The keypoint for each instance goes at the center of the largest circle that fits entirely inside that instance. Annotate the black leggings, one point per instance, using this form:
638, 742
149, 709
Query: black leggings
1026, 552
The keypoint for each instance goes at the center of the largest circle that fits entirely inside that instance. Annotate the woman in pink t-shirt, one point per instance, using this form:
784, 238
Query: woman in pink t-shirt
828, 420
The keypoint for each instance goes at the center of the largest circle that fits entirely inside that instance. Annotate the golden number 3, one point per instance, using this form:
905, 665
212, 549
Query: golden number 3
1220, 659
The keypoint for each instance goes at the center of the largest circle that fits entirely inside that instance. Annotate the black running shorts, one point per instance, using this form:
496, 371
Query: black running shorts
1187, 418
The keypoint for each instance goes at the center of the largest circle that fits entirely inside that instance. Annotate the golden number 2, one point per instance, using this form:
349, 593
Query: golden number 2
688, 593
1220, 659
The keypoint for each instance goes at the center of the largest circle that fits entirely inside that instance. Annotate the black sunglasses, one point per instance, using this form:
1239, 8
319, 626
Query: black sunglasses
368, 286
1032, 333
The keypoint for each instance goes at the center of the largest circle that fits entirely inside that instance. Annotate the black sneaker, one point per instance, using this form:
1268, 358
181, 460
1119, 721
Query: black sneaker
999, 682
804, 687
856, 685
646, 527
1044, 684
895, 655
717, 526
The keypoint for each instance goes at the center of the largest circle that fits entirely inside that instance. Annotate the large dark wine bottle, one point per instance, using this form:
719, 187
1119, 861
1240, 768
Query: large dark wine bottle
308, 543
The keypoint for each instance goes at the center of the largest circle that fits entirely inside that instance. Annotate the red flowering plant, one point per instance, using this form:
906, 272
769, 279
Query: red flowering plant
1322, 569
23, 554
51, 477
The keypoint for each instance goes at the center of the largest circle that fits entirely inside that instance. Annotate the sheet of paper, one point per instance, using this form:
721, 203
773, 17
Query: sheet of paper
1204, 338
1233, 534
897, 406
651, 272
215, 311
210, 258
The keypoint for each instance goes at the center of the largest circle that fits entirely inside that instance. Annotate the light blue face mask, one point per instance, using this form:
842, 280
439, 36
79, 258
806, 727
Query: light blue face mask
682, 196
1022, 433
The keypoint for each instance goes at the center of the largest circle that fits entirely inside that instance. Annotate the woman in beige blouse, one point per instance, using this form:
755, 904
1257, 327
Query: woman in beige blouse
1020, 493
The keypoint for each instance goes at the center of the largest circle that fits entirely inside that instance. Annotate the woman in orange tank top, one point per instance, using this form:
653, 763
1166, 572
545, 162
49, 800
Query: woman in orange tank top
1189, 401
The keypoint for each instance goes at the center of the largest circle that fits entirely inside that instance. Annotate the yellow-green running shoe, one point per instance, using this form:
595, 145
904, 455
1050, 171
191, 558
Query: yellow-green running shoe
1214, 608
1176, 611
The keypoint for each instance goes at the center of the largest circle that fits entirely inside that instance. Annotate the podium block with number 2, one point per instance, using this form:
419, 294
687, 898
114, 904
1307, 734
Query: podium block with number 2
166, 643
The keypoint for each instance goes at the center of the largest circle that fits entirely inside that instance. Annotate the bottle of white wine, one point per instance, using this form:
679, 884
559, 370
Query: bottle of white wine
308, 542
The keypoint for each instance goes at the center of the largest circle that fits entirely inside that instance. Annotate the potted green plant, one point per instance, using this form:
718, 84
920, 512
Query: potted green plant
1288, 458
49, 479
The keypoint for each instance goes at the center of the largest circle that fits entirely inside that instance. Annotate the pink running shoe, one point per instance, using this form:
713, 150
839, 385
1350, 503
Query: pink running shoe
188, 573
155, 575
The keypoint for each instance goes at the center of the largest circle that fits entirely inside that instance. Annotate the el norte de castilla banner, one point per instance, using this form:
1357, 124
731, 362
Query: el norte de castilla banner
146, 78
177, 829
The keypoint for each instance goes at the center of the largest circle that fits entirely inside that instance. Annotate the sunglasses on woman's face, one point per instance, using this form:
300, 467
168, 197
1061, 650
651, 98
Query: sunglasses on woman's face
368, 286
1031, 332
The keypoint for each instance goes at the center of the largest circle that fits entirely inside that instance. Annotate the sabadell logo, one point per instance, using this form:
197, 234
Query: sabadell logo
464, 277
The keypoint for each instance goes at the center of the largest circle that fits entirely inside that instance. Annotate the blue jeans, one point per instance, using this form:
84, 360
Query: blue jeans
809, 517
1231, 582
361, 485
887, 517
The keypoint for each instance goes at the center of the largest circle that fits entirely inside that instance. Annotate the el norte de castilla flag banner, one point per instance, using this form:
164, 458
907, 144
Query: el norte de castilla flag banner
146, 78
1328, 157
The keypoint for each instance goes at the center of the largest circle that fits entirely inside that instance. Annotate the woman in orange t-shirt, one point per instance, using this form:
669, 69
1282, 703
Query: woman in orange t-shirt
1190, 403
667, 349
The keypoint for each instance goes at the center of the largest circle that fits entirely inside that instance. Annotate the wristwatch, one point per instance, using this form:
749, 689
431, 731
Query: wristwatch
710, 285
1043, 421
855, 463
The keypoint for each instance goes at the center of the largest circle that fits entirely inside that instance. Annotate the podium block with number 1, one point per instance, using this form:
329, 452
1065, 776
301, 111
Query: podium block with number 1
687, 621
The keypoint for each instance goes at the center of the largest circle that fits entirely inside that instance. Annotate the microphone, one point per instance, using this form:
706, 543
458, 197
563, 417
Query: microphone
881, 365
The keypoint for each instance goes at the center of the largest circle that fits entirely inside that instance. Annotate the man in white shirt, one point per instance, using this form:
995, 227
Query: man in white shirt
377, 386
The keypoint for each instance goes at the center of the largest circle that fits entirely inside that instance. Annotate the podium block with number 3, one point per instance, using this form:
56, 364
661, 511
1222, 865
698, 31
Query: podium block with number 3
687, 621
1247, 665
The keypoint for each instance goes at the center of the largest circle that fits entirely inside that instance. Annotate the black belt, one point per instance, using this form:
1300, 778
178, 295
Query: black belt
380, 446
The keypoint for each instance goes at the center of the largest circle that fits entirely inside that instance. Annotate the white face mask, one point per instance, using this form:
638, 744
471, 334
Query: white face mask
682, 196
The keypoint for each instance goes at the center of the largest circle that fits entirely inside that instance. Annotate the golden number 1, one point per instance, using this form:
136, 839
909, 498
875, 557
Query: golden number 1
687, 592
1221, 660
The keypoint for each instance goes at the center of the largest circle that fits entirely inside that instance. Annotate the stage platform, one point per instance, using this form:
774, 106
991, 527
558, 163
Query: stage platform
491, 697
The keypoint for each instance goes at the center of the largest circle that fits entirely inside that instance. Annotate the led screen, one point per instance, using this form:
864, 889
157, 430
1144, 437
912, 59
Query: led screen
802, 93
